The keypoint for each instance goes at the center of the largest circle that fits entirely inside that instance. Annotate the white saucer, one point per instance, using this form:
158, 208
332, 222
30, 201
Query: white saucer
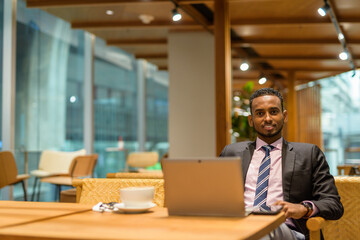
121, 208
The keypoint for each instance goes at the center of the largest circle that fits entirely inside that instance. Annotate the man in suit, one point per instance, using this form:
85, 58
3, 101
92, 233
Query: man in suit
299, 179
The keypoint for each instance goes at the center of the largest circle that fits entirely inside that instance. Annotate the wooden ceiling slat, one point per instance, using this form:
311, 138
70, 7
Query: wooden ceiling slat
235, 58
152, 56
180, 2
128, 25
136, 42
238, 83
291, 58
297, 21
212, 1
79, 3
162, 68
247, 42
296, 69
196, 15
279, 34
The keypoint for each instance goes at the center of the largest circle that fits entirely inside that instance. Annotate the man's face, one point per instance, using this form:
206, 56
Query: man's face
267, 118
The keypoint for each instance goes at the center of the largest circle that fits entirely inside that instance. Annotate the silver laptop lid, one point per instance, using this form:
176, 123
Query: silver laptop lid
204, 186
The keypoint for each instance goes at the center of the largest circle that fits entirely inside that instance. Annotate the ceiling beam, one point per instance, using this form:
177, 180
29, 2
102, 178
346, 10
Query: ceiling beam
247, 43
244, 79
296, 21
234, 58
73, 3
82, 3
136, 42
137, 25
296, 69
180, 2
151, 56
290, 58
237, 79
195, 15
163, 68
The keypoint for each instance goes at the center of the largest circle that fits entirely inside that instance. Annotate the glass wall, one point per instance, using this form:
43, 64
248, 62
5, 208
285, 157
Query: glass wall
49, 80
115, 107
157, 85
50, 99
340, 99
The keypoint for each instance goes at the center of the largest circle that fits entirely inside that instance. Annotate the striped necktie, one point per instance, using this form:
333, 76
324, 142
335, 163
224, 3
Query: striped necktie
263, 180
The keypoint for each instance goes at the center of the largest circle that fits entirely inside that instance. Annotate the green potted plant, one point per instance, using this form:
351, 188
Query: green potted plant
241, 129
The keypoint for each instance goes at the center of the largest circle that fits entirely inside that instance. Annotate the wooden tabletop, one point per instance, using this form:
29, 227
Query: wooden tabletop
16, 212
154, 224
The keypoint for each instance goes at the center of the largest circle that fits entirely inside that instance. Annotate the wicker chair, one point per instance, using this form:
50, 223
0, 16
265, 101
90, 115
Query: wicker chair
140, 175
347, 227
94, 190
69, 195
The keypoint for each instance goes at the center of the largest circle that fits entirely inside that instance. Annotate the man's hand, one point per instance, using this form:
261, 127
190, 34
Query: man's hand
292, 210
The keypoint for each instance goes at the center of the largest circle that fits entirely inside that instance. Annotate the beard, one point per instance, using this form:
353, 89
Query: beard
269, 135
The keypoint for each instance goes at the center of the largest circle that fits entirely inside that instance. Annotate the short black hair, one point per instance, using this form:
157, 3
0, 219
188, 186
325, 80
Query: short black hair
264, 92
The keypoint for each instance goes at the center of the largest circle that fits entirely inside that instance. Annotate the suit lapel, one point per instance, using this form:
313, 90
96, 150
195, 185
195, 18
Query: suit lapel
247, 158
288, 164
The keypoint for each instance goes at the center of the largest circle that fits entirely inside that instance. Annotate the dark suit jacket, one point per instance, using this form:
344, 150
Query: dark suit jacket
305, 176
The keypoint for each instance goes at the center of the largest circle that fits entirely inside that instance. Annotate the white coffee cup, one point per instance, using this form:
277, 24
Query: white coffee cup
135, 197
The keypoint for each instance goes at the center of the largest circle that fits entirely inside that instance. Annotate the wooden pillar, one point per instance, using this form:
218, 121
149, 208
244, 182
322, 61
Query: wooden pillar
222, 74
292, 125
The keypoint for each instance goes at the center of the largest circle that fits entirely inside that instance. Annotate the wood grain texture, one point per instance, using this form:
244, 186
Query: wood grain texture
155, 224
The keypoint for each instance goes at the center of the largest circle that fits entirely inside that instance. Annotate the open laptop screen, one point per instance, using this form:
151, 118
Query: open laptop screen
204, 186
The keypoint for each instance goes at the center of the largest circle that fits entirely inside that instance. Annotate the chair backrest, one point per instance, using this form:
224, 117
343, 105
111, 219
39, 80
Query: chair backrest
348, 226
58, 161
83, 166
95, 190
346, 170
142, 159
8, 169
146, 175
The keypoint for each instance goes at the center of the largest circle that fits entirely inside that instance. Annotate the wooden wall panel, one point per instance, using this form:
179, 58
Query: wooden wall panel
292, 111
309, 116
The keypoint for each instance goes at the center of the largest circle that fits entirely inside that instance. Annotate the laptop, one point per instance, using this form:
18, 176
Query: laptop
204, 186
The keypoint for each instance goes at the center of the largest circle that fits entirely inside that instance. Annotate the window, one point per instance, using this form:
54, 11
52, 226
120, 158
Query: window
157, 111
49, 77
340, 99
115, 107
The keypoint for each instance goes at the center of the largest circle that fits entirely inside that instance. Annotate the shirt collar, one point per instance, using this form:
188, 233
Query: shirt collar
277, 144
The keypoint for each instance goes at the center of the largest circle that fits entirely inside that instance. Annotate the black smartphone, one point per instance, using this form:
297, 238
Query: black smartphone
273, 210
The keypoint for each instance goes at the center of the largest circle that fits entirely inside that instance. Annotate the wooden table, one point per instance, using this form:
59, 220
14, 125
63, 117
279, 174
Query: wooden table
155, 224
14, 213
